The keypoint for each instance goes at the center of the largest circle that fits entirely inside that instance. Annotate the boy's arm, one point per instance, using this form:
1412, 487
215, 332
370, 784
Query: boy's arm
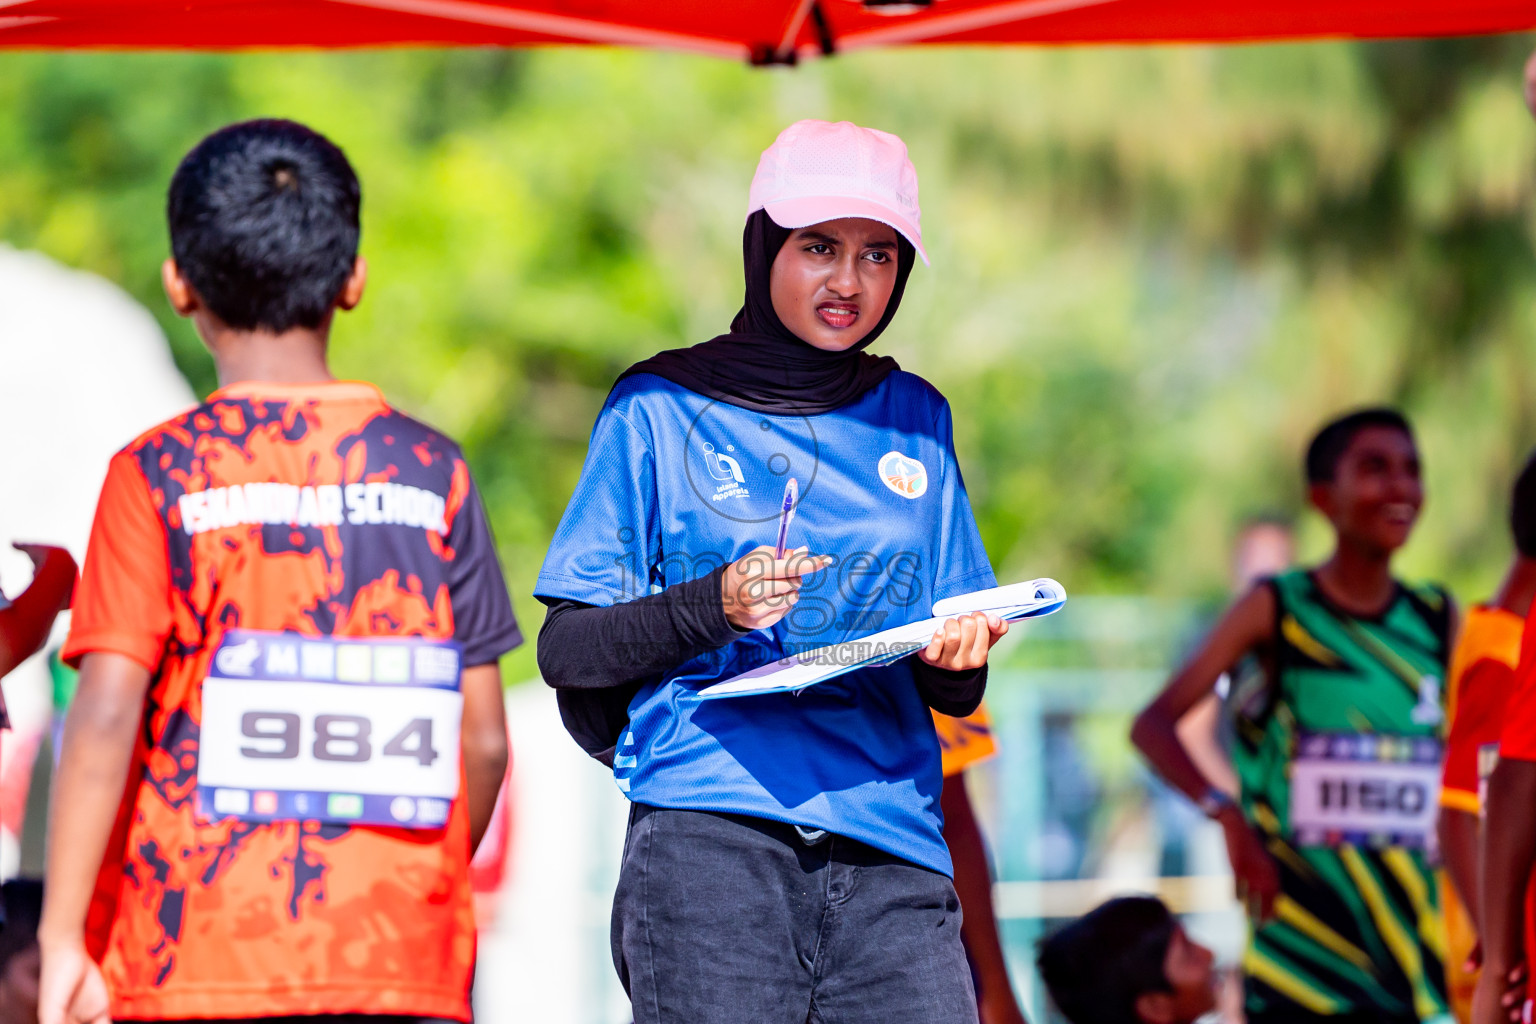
122, 618
25, 625
1248, 625
1508, 856
1457, 830
973, 884
484, 623
88, 785
484, 740
1199, 732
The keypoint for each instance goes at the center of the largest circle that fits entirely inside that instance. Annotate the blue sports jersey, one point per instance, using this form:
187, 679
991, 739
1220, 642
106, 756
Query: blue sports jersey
674, 486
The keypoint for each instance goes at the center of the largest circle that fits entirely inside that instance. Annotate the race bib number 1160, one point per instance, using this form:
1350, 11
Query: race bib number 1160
343, 730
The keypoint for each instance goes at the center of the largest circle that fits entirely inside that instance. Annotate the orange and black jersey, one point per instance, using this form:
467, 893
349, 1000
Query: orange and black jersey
314, 512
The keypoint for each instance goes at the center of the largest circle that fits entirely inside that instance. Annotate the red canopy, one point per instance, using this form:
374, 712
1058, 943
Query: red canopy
760, 30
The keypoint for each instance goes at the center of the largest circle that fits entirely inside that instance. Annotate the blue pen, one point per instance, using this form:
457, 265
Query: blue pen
791, 498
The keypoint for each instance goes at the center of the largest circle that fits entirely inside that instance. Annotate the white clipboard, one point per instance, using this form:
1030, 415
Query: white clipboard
1013, 602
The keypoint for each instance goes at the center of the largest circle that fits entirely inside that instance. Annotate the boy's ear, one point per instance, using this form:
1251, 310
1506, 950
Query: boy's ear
1155, 1007
178, 289
352, 291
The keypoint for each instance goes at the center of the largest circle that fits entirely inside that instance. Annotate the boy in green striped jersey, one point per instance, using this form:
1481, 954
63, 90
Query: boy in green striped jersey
1338, 754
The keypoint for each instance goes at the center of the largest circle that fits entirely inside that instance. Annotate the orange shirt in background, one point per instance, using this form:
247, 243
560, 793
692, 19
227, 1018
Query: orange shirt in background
1482, 675
1482, 678
964, 741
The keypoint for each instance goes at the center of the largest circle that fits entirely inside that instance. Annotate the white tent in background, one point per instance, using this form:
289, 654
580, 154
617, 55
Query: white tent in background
83, 370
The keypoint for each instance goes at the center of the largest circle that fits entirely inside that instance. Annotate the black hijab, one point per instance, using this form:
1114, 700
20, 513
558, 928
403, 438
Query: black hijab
762, 366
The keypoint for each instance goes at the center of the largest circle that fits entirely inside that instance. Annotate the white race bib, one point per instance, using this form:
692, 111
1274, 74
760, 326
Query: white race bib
1365, 790
346, 730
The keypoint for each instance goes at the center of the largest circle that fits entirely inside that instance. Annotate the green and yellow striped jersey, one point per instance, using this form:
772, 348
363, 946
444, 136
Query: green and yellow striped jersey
1357, 927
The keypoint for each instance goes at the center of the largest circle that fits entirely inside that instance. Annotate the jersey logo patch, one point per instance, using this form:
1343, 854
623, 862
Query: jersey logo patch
726, 471
903, 474
238, 659
1428, 711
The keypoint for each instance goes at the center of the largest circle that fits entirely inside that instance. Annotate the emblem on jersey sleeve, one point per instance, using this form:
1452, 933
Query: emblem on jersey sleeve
903, 474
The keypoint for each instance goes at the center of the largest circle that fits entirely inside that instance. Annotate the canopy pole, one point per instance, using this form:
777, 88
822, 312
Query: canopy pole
787, 53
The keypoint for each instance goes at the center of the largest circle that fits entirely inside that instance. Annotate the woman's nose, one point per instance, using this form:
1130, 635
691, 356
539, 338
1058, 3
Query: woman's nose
845, 278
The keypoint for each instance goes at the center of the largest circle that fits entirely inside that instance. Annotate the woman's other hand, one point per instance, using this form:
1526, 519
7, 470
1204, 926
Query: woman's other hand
963, 643
758, 590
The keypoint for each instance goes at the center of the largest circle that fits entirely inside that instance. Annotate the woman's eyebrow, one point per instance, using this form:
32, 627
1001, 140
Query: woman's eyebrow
809, 235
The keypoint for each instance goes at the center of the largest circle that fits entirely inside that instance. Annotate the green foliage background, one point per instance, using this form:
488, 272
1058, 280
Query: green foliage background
1155, 271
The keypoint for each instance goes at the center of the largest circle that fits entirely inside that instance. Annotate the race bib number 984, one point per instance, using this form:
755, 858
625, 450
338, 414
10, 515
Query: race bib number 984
345, 730
1366, 790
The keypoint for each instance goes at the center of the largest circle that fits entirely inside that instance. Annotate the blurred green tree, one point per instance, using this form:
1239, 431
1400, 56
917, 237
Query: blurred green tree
1155, 271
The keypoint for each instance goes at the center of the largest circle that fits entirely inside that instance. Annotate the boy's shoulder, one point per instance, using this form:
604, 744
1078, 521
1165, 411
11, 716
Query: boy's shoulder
1298, 584
347, 419
1298, 594
1433, 604
1288, 584
1434, 596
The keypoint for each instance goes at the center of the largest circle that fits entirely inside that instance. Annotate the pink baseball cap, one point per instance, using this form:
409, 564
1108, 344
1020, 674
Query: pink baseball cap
818, 171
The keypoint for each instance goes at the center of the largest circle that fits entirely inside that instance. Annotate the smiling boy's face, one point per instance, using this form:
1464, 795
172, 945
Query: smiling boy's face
1192, 981
1377, 490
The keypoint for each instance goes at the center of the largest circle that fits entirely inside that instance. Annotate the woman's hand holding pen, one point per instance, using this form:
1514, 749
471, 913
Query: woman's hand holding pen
963, 643
758, 590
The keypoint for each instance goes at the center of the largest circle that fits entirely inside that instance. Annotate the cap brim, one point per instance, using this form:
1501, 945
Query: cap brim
802, 212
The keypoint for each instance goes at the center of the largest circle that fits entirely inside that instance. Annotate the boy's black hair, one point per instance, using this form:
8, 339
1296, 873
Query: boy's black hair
23, 899
1096, 967
264, 224
1330, 444
1522, 509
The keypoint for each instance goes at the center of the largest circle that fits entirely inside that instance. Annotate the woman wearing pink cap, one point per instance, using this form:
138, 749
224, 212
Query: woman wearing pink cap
784, 861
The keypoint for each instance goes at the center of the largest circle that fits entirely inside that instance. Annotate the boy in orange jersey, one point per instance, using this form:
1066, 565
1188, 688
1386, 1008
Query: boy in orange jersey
289, 730
1482, 675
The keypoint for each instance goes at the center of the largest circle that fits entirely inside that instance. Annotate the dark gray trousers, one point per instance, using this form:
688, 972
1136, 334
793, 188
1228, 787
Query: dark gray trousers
726, 919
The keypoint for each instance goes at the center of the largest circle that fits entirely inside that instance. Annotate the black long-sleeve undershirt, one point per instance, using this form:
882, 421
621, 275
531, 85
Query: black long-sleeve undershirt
956, 694
586, 647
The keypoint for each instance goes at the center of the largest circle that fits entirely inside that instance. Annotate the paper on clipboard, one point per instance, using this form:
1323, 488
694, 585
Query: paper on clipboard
1013, 602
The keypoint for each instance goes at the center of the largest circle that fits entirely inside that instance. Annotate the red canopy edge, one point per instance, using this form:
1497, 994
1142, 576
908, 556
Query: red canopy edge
774, 30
